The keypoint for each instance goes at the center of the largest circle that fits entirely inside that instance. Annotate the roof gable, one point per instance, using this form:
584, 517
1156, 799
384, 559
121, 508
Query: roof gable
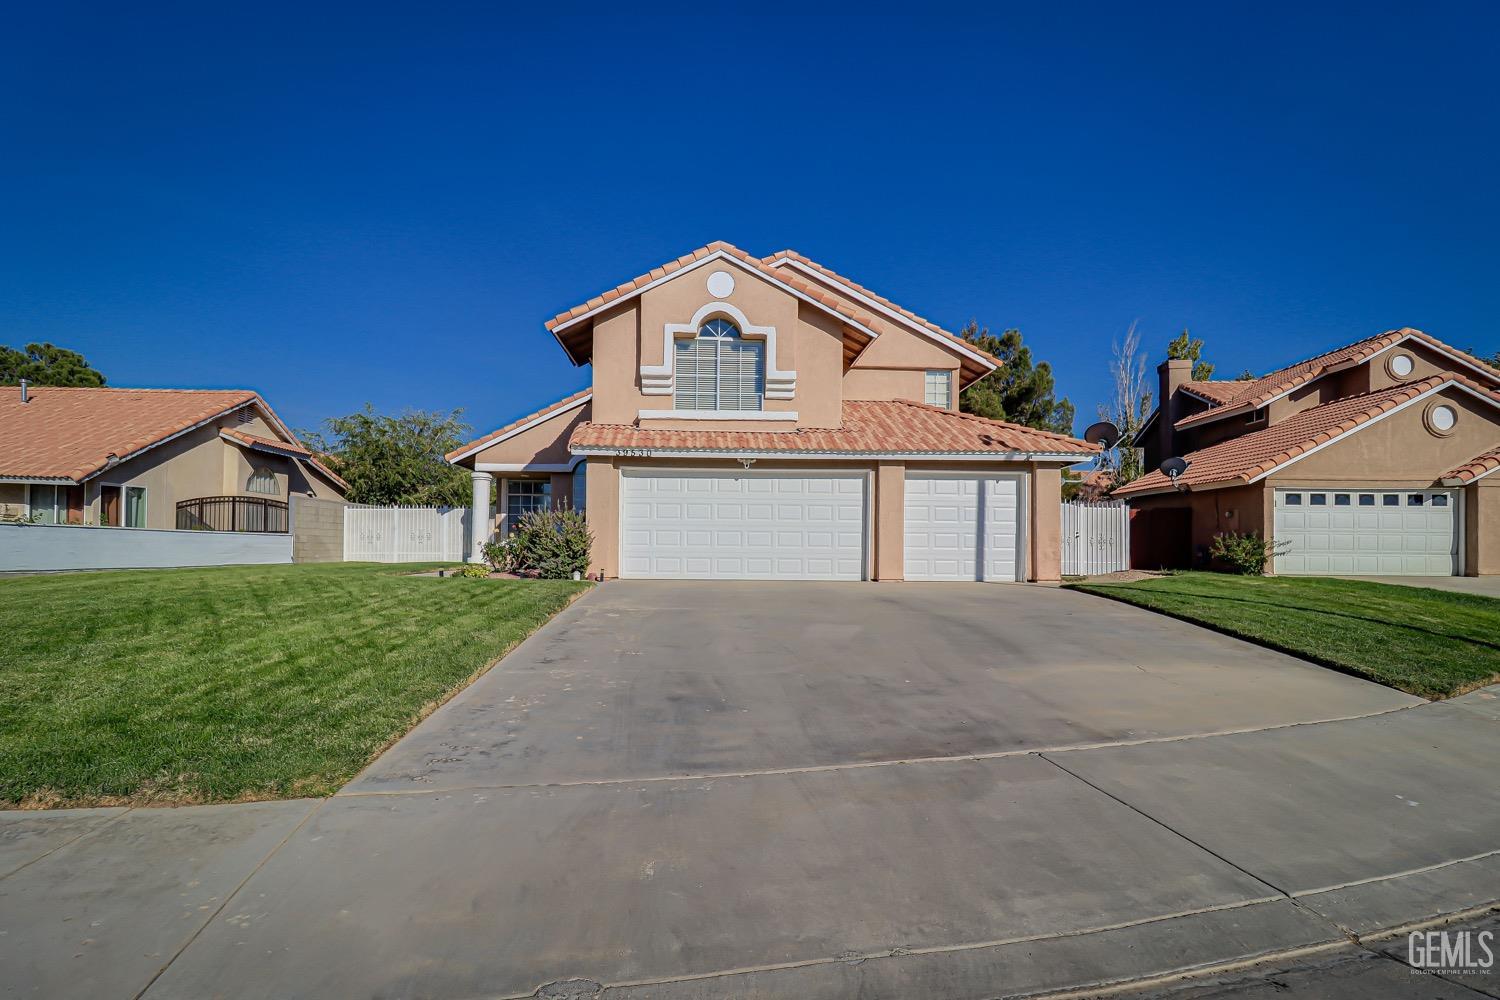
1251, 457
75, 433
1269, 388
571, 327
510, 430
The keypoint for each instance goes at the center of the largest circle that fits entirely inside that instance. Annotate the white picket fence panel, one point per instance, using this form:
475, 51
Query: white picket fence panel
1095, 538
406, 534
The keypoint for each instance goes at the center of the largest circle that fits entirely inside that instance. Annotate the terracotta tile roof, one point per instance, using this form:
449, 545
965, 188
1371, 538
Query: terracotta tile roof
72, 433
1242, 459
1479, 465
480, 442
894, 426
282, 448
1266, 388
828, 272
1215, 391
635, 284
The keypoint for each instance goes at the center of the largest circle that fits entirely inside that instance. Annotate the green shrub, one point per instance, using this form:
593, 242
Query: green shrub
554, 544
500, 554
1244, 553
472, 571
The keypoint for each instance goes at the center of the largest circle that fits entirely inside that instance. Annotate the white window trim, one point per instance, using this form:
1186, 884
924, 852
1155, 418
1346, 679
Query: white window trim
778, 415
947, 375
660, 380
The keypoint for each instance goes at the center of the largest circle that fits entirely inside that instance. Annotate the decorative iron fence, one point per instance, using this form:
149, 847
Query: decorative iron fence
232, 514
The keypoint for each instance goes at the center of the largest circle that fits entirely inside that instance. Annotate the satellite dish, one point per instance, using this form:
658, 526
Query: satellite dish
1104, 434
1173, 467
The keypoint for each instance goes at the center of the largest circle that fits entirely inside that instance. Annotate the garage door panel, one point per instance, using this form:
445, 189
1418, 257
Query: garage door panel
802, 526
962, 527
1377, 532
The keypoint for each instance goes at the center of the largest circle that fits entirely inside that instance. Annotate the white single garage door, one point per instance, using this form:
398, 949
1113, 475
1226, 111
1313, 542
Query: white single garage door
742, 525
943, 540
1367, 532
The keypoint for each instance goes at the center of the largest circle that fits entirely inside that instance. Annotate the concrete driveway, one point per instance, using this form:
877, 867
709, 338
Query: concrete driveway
810, 790
1485, 586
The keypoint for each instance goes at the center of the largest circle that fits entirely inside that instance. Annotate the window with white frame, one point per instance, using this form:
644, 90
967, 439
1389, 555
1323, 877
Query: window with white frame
522, 496
940, 389
48, 504
719, 370
262, 481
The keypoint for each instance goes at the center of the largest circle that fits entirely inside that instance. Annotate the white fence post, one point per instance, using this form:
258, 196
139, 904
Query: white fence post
405, 534
1096, 538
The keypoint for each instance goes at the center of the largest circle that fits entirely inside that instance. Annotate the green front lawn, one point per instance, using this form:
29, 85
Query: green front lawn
198, 685
1430, 643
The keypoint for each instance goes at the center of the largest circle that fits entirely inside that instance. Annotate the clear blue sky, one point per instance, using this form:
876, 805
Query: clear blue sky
383, 204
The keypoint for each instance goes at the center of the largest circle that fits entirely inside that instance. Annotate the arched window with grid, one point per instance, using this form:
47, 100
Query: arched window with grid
720, 370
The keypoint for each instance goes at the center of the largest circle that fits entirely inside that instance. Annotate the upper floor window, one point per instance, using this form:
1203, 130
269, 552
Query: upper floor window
262, 481
1256, 415
720, 370
940, 389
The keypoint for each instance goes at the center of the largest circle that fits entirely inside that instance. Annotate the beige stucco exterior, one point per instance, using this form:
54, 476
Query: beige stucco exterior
198, 463
1399, 450
831, 365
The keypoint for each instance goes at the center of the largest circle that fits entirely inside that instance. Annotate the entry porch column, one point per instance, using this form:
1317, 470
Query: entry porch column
479, 519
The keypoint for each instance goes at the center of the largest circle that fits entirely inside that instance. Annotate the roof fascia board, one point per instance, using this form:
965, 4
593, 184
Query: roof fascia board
885, 310
717, 255
528, 467
1071, 457
548, 415
1489, 373
1375, 420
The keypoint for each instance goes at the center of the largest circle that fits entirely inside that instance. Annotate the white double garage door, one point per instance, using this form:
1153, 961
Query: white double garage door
1367, 532
813, 526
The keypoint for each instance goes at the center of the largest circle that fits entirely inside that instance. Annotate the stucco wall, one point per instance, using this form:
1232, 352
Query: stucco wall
62, 547
1399, 450
1482, 527
317, 529
544, 444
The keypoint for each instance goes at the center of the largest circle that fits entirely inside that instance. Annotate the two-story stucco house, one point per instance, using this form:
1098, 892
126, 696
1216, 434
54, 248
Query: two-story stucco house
766, 418
1373, 459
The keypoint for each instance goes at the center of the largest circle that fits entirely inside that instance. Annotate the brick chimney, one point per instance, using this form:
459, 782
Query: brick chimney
1171, 374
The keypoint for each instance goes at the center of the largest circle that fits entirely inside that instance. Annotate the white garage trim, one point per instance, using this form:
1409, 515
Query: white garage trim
985, 502
837, 563
1374, 531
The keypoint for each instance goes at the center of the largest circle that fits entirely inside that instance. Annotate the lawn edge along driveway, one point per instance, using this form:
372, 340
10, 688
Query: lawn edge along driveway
239, 683
1430, 643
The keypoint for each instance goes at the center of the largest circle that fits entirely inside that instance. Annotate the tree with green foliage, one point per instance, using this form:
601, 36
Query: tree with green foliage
1246, 376
47, 364
1021, 392
1187, 348
396, 460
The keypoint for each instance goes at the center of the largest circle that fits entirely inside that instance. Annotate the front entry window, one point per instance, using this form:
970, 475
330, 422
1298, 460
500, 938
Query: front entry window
522, 496
719, 370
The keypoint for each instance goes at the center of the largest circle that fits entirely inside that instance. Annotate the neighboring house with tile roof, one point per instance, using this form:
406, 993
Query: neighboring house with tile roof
140, 458
767, 418
1371, 459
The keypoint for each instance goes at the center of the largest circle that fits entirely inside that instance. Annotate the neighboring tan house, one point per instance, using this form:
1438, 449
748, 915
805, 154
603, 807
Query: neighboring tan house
1374, 459
152, 458
766, 418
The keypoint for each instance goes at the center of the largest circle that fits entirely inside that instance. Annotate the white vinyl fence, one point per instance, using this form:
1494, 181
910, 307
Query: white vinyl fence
406, 534
1095, 538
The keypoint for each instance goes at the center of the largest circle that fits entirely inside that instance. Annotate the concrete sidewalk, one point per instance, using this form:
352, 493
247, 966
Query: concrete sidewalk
536, 837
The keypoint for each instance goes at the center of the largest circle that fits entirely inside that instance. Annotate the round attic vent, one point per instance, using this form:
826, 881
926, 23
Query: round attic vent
1401, 365
720, 284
